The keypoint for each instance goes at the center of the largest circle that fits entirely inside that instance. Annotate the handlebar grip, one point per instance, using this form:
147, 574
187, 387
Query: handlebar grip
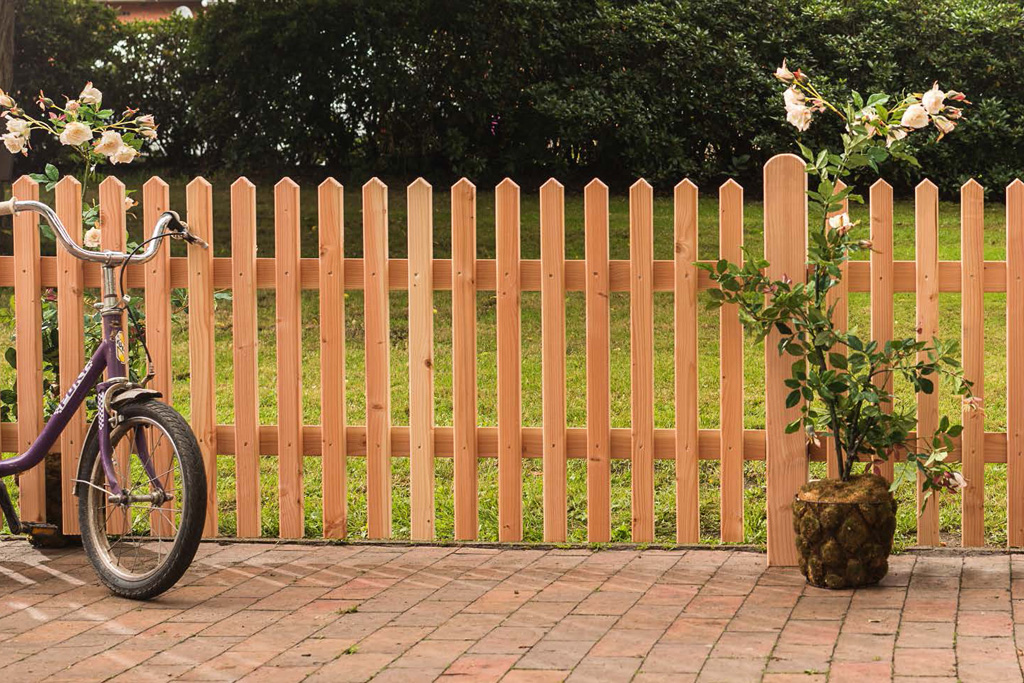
7, 208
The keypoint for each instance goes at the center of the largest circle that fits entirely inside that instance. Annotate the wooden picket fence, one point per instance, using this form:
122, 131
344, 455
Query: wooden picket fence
785, 221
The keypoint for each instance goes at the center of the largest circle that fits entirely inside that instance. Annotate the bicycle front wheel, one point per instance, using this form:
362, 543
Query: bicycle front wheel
141, 541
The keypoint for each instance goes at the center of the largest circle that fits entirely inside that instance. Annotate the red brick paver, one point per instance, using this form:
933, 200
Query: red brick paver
293, 612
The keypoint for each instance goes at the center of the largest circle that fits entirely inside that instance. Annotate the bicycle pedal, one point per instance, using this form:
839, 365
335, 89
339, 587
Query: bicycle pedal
43, 535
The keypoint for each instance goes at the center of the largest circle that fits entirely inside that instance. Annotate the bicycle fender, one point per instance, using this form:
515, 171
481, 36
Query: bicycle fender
121, 399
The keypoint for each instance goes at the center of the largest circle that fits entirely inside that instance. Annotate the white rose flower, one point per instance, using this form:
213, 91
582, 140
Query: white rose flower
91, 95
799, 116
148, 133
932, 100
18, 127
958, 480
916, 116
794, 98
125, 155
92, 238
14, 143
944, 125
784, 74
840, 222
894, 135
75, 133
146, 121
109, 143
6, 100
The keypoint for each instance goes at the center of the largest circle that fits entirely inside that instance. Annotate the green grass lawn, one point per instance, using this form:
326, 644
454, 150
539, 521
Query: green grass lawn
995, 347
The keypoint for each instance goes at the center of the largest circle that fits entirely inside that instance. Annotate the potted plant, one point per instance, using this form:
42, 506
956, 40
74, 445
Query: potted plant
843, 383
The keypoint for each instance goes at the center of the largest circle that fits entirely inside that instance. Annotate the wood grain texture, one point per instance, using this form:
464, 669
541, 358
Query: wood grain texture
421, 360
331, 219
202, 376
71, 352
599, 433
838, 299
785, 247
882, 286
377, 325
686, 312
1015, 364
245, 340
731, 336
509, 342
552, 297
972, 256
641, 352
926, 197
156, 200
114, 238
464, 358
29, 346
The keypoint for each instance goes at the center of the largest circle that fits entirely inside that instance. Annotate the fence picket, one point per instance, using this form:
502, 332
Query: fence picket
882, 285
509, 340
641, 346
287, 250
331, 215
730, 241
972, 256
926, 200
687, 482
552, 295
113, 238
838, 298
785, 247
199, 199
245, 337
29, 346
421, 360
464, 357
156, 200
599, 434
377, 325
1015, 363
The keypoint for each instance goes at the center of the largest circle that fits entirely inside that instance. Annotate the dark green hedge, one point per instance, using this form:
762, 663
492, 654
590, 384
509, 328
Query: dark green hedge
529, 88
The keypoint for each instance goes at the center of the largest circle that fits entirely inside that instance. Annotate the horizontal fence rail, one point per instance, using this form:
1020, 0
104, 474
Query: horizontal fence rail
508, 276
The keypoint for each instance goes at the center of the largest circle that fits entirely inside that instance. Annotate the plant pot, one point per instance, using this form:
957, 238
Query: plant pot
844, 530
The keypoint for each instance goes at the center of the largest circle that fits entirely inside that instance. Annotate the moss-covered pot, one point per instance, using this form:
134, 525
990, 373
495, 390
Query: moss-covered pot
844, 530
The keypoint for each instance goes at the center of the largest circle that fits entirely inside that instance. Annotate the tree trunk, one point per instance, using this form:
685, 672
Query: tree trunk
7, 8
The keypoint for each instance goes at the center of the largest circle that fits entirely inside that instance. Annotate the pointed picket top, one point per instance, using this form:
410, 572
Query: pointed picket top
330, 183
686, 184
464, 185
1017, 185
972, 186
640, 184
551, 184
285, 183
71, 182
880, 184
730, 185
374, 183
26, 181
199, 182
508, 184
242, 183
110, 182
926, 185
154, 183
419, 184
595, 185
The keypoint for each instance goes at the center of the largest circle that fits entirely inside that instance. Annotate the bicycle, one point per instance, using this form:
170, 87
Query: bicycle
140, 527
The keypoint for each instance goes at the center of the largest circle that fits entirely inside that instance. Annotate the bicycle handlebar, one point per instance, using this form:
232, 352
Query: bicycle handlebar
169, 222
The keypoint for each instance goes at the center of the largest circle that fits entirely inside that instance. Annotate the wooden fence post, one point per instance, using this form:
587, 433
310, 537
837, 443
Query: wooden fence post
464, 392
378, 358
245, 355
730, 336
686, 311
552, 295
71, 334
641, 349
972, 301
882, 283
29, 347
598, 298
927, 239
1015, 363
201, 330
509, 342
785, 247
421, 360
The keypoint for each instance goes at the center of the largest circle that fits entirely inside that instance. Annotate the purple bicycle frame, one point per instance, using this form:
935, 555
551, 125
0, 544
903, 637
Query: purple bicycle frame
104, 358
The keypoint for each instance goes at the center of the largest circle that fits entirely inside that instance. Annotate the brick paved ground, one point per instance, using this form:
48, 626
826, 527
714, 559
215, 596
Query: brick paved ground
284, 613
